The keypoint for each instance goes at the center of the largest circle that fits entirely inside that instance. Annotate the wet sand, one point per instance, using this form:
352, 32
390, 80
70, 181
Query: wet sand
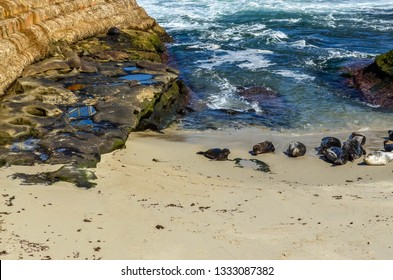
157, 199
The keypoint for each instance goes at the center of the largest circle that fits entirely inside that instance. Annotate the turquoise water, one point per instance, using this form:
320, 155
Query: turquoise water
295, 48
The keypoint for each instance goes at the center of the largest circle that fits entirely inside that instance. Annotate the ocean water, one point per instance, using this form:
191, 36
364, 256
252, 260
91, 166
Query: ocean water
294, 48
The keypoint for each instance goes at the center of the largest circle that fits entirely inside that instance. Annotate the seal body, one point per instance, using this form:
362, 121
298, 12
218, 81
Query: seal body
390, 132
336, 155
378, 158
216, 154
328, 142
359, 137
354, 149
296, 149
263, 147
388, 145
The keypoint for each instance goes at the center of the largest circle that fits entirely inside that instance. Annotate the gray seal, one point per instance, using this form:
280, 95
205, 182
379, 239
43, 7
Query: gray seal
296, 149
336, 155
262, 148
354, 149
216, 154
378, 158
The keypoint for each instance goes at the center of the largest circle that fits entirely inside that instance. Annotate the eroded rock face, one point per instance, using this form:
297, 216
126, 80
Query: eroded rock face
375, 81
29, 28
59, 113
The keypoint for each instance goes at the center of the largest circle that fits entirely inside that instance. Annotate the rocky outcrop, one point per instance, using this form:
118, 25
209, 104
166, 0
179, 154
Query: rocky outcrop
86, 98
90, 72
28, 28
375, 81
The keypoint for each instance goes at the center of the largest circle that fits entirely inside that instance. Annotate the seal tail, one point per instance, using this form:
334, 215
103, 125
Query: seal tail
200, 153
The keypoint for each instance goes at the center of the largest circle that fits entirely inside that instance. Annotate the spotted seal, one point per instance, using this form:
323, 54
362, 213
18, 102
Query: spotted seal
262, 148
378, 158
388, 145
354, 149
296, 149
328, 142
336, 155
216, 154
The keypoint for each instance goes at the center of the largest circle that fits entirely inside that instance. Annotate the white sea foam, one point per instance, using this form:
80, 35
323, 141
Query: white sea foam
249, 59
294, 75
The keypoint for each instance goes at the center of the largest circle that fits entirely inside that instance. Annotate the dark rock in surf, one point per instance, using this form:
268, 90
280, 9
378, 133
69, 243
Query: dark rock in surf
375, 81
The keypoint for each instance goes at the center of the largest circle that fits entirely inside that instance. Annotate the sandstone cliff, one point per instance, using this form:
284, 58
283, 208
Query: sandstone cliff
29, 27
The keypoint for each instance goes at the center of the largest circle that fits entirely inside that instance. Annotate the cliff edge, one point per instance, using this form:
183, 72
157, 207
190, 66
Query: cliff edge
28, 28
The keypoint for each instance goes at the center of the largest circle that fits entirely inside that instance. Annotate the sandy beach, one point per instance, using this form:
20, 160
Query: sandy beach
157, 199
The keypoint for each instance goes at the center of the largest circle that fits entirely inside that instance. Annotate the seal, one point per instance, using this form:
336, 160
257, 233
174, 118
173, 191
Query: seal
353, 148
262, 148
216, 154
296, 149
390, 132
378, 158
360, 137
328, 142
336, 155
388, 145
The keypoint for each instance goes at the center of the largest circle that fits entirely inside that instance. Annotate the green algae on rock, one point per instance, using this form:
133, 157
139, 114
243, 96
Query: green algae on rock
68, 173
375, 81
60, 113
385, 63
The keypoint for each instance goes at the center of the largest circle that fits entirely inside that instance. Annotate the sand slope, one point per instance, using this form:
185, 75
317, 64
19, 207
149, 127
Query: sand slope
183, 206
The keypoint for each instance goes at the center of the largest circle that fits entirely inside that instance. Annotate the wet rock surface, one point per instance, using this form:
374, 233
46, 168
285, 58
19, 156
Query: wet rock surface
85, 100
375, 81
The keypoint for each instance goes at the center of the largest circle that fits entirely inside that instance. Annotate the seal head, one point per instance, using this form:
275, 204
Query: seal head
390, 132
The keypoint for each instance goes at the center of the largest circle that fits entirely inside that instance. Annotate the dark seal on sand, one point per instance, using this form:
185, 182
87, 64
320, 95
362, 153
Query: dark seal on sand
262, 148
390, 132
328, 142
216, 154
336, 155
388, 145
296, 149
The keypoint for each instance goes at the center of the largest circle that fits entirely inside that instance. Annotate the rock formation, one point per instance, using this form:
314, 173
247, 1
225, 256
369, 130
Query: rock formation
29, 27
76, 77
375, 81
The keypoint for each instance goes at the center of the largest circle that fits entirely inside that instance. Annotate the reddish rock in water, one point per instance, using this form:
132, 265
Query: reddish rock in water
375, 81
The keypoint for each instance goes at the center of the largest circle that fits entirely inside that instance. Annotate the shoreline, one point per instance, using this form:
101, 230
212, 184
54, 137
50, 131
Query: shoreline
157, 199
